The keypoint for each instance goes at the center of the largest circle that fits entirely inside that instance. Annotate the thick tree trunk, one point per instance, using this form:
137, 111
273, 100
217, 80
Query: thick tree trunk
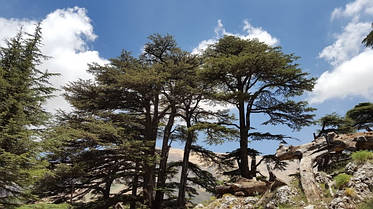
184, 170
244, 167
162, 174
151, 128
253, 166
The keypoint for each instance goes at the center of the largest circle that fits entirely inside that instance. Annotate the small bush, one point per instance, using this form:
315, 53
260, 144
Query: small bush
350, 192
45, 206
341, 180
362, 156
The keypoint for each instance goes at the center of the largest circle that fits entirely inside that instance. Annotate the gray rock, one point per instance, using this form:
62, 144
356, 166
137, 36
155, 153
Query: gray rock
283, 195
350, 168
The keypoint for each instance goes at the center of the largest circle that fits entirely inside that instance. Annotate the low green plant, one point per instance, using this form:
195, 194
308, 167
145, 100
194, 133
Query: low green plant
207, 202
295, 183
341, 180
285, 206
350, 192
325, 190
366, 205
45, 206
362, 156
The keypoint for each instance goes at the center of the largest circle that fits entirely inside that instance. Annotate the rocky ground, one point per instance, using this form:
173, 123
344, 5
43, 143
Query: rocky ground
309, 188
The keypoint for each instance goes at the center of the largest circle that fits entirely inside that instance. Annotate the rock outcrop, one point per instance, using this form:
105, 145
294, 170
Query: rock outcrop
317, 186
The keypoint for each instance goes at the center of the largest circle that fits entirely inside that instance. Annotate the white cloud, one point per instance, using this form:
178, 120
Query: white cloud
65, 37
353, 9
352, 71
251, 32
348, 43
351, 78
259, 33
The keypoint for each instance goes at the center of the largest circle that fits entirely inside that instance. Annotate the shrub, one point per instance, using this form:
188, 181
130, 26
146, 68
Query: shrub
350, 192
362, 156
341, 180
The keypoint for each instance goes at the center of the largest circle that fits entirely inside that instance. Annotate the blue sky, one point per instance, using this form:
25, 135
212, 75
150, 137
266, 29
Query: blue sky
325, 34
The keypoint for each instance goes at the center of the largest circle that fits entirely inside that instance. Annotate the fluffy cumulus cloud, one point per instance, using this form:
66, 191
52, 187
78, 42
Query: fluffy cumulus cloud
353, 9
352, 68
250, 32
347, 44
66, 34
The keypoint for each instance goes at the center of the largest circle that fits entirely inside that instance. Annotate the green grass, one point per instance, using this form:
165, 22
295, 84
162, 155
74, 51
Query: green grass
362, 156
366, 205
325, 190
341, 180
45, 206
295, 183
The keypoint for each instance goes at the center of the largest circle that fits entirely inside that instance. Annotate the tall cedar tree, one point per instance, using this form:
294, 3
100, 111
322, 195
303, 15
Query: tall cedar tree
23, 90
192, 94
133, 86
258, 79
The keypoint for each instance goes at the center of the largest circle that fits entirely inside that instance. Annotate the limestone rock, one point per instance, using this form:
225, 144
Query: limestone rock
282, 196
243, 187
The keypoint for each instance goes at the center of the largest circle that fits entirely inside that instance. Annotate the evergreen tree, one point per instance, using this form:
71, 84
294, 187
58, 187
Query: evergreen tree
334, 123
362, 116
88, 154
258, 79
23, 90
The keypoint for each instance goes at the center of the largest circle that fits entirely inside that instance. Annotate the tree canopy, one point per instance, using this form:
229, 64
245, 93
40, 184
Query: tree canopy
258, 79
362, 116
23, 90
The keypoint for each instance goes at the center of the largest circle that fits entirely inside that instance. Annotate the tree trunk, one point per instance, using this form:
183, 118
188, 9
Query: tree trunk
162, 174
184, 170
244, 168
151, 128
134, 187
253, 166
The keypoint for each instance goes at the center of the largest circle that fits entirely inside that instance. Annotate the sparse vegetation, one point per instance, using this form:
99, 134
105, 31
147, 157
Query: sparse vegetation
46, 206
350, 192
300, 193
341, 180
362, 156
366, 205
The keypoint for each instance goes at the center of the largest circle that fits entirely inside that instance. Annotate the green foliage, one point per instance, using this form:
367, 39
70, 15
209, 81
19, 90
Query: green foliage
45, 206
23, 91
362, 115
325, 190
362, 156
341, 180
335, 123
257, 79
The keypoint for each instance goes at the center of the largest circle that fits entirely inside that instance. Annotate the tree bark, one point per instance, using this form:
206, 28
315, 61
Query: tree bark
244, 168
162, 174
134, 187
253, 168
184, 170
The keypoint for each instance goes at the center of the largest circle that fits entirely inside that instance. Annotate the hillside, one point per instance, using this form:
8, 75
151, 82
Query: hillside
320, 174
